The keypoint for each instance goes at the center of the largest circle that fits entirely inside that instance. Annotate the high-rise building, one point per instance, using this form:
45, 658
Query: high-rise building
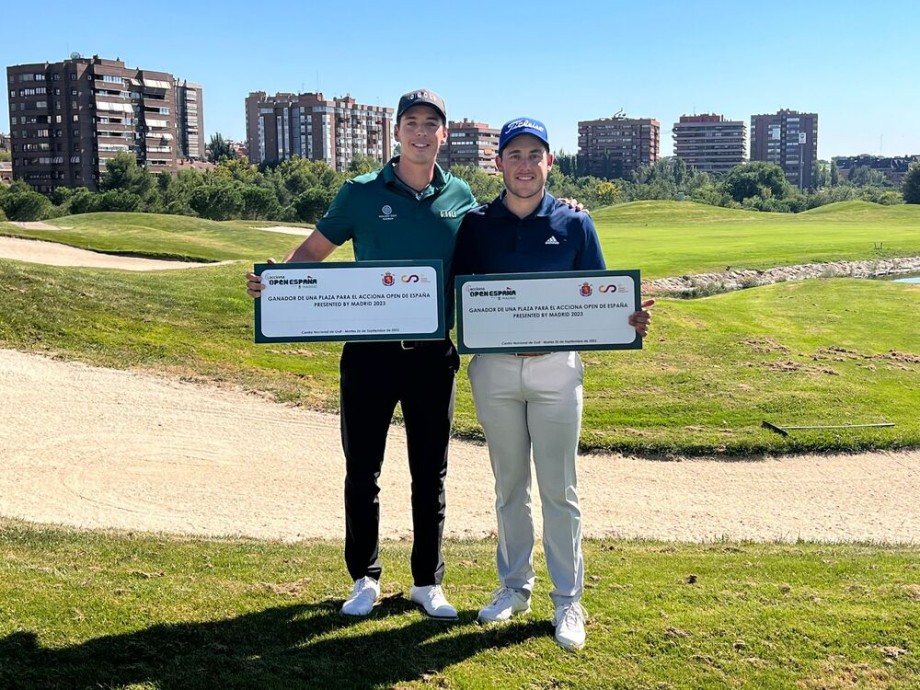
710, 143
614, 147
190, 119
307, 125
69, 118
790, 140
470, 143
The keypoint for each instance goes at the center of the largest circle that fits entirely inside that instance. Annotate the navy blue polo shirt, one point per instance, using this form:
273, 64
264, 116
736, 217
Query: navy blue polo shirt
552, 238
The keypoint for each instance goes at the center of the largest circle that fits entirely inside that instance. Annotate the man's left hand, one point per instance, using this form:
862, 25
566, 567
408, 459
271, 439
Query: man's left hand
573, 204
640, 320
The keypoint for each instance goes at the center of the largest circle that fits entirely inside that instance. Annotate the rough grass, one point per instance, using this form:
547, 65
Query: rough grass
88, 610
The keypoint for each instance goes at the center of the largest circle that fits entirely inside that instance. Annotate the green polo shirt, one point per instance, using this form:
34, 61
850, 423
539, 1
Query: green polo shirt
385, 219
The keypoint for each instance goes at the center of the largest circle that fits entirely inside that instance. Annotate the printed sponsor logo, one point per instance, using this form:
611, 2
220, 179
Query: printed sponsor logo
501, 293
389, 279
585, 290
386, 212
552, 240
306, 281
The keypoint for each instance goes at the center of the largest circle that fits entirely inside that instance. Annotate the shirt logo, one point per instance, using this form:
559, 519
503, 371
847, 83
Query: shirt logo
386, 213
448, 214
552, 240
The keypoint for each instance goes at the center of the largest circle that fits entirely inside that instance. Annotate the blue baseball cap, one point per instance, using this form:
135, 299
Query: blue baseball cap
522, 125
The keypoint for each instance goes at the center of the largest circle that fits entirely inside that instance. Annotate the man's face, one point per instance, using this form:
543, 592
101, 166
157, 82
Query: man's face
524, 164
420, 133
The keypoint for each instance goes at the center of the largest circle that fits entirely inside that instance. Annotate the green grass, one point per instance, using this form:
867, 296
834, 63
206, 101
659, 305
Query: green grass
88, 610
662, 238
669, 238
792, 353
162, 236
813, 353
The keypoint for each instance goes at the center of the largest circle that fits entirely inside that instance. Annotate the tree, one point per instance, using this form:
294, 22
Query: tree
217, 202
822, 174
83, 201
259, 203
219, 149
484, 186
566, 162
911, 187
312, 203
119, 200
362, 164
757, 179
123, 173
607, 193
21, 205
864, 176
239, 169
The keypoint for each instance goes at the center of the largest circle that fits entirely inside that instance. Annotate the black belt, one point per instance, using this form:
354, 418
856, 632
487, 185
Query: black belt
420, 344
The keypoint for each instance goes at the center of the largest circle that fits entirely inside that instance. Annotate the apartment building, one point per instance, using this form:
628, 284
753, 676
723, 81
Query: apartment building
615, 147
309, 126
4, 141
69, 118
710, 143
789, 139
190, 120
470, 143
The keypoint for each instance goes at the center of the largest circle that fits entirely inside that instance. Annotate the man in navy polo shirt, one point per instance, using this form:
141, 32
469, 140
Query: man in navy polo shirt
532, 402
423, 208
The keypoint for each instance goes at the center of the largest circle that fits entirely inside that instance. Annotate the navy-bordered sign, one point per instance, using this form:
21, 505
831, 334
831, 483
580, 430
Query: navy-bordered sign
365, 300
547, 312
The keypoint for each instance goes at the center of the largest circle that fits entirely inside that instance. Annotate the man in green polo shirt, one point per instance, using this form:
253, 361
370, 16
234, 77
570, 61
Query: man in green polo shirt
409, 209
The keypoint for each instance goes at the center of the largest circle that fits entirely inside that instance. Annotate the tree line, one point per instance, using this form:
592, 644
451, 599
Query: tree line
300, 190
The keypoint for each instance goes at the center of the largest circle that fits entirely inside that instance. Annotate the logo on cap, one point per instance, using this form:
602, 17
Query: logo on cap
517, 124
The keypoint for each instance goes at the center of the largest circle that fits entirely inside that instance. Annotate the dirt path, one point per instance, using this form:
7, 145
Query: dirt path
92, 447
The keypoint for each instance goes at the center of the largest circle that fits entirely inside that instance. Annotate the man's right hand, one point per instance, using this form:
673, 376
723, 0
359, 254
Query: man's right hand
254, 284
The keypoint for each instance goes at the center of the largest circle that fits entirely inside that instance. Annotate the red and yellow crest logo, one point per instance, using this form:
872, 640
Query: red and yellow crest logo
585, 290
388, 279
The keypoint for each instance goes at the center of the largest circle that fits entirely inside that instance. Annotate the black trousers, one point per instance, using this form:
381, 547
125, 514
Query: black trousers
374, 377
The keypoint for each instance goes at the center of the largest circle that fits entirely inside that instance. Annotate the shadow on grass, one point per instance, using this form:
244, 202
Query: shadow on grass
297, 646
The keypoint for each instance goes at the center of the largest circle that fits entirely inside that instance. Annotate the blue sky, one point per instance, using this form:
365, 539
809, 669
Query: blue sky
854, 63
